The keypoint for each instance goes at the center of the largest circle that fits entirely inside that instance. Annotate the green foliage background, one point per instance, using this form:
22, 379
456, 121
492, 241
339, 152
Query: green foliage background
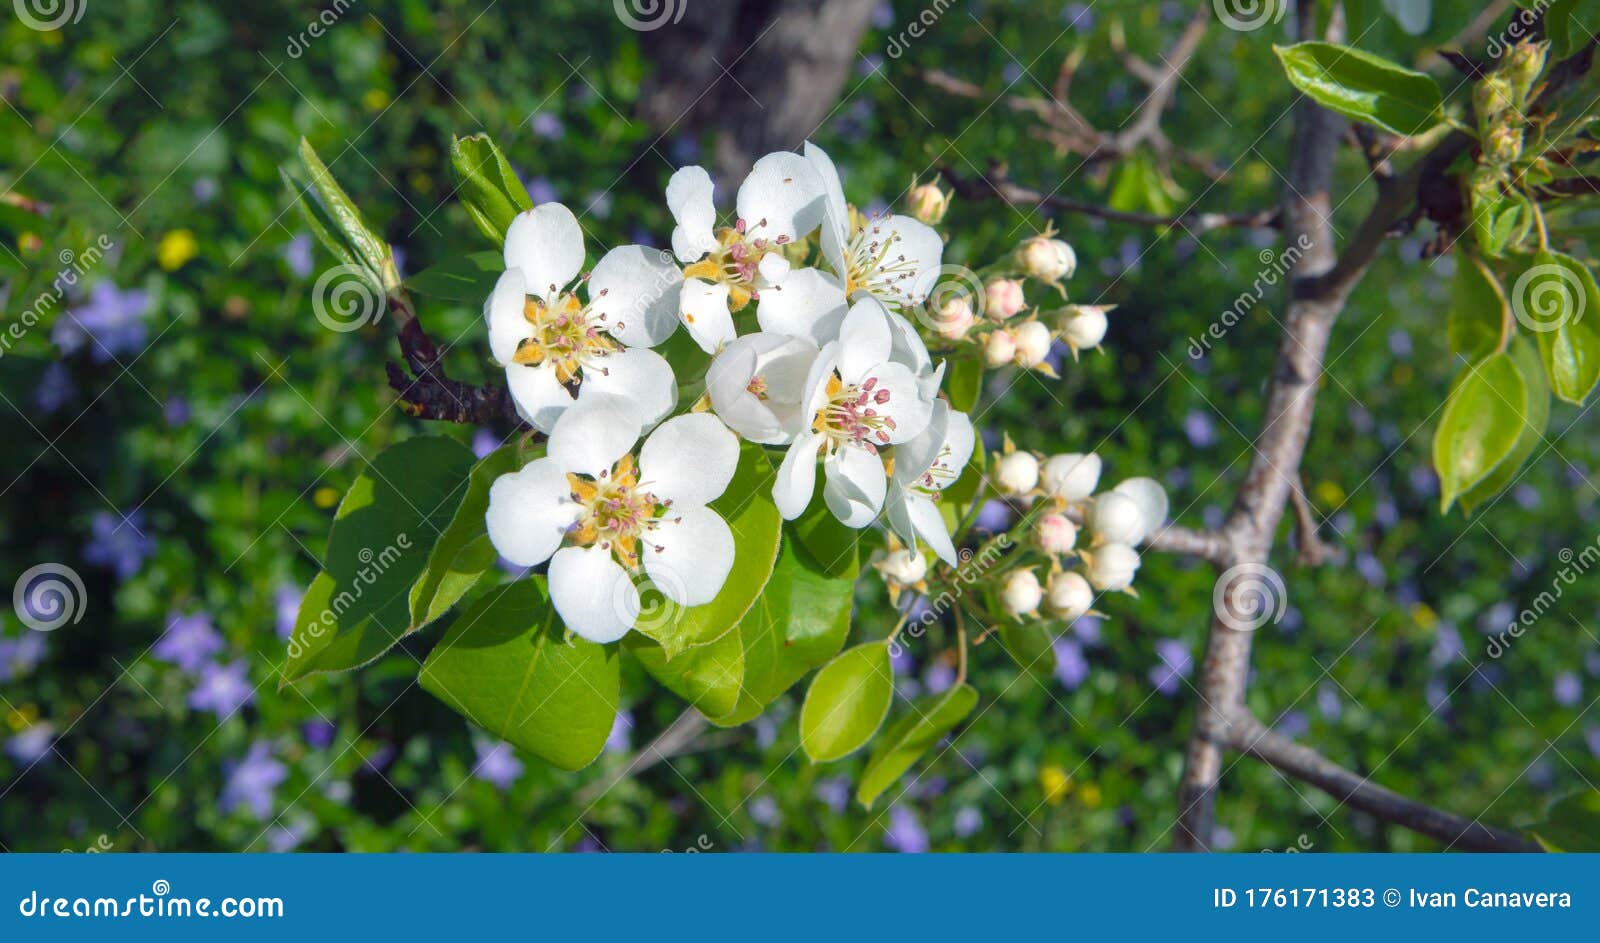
114, 120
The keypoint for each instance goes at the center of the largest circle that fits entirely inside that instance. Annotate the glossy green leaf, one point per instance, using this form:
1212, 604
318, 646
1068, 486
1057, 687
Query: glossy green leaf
911, 736
800, 621
835, 547
1572, 824
1557, 300
1535, 418
708, 677
488, 187
463, 552
846, 702
1481, 423
753, 518
963, 382
383, 532
1362, 86
506, 666
1480, 320
1032, 646
468, 278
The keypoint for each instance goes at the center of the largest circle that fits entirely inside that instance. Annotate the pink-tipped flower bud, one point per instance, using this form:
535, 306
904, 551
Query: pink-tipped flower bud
999, 347
955, 318
928, 203
1047, 259
1003, 299
1057, 534
1021, 594
1069, 596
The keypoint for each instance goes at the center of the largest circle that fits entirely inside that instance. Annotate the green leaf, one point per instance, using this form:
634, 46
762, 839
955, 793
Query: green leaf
325, 230
489, 188
1572, 824
964, 489
1481, 424
1558, 301
388, 522
1480, 314
1363, 87
708, 677
753, 518
1032, 646
469, 277
800, 621
463, 552
846, 702
909, 737
506, 667
346, 220
836, 547
963, 382
1534, 420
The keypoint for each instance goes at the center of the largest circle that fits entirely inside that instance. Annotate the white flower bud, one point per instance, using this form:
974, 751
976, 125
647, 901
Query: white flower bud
1047, 259
1069, 595
1057, 534
1111, 567
1033, 343
1002, 298
1152, 501
999, 347
928, 203
955, 318
1071, 476
902, 568
1116, 518
1021, 593
1017, 474
1083, 327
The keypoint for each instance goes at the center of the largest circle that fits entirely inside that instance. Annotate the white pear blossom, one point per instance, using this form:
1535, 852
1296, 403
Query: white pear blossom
1111, 567
1017, 474
1071, 476
1057, 534
1068, 595
601, 518
757, 386
895, 259
857, 400
1047, 259
1033, 340
551, 341
903, 567
1116, 518
999, 347
1002, 298
779, 202
1151, 498
923, 468
1083, 327
1021, 593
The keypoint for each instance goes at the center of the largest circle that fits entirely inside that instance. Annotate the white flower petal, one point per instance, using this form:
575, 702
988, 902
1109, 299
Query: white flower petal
855, 486
835, 212
689, 459
905, 403
781, 199
774, 268
547, 244
907, 346
637, 374
593, 593
507, 327
689, 198
704, 309
635, 289
865, 339
1151, 498
591, 436
959, 441
538, 395
797, 476
689, 554
913, 245
917, 455
809, 304
529, 512
928, 525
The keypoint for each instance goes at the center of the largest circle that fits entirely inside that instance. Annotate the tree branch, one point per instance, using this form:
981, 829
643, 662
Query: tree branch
995, 184
428, 392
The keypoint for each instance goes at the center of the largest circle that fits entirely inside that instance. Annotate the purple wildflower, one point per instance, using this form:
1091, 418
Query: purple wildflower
222, 689
253, 780
118, 543
497, 764
111, 322
905, 833
190, 641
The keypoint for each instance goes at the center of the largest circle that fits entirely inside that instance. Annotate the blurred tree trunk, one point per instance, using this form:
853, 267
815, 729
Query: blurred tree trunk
760, 75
